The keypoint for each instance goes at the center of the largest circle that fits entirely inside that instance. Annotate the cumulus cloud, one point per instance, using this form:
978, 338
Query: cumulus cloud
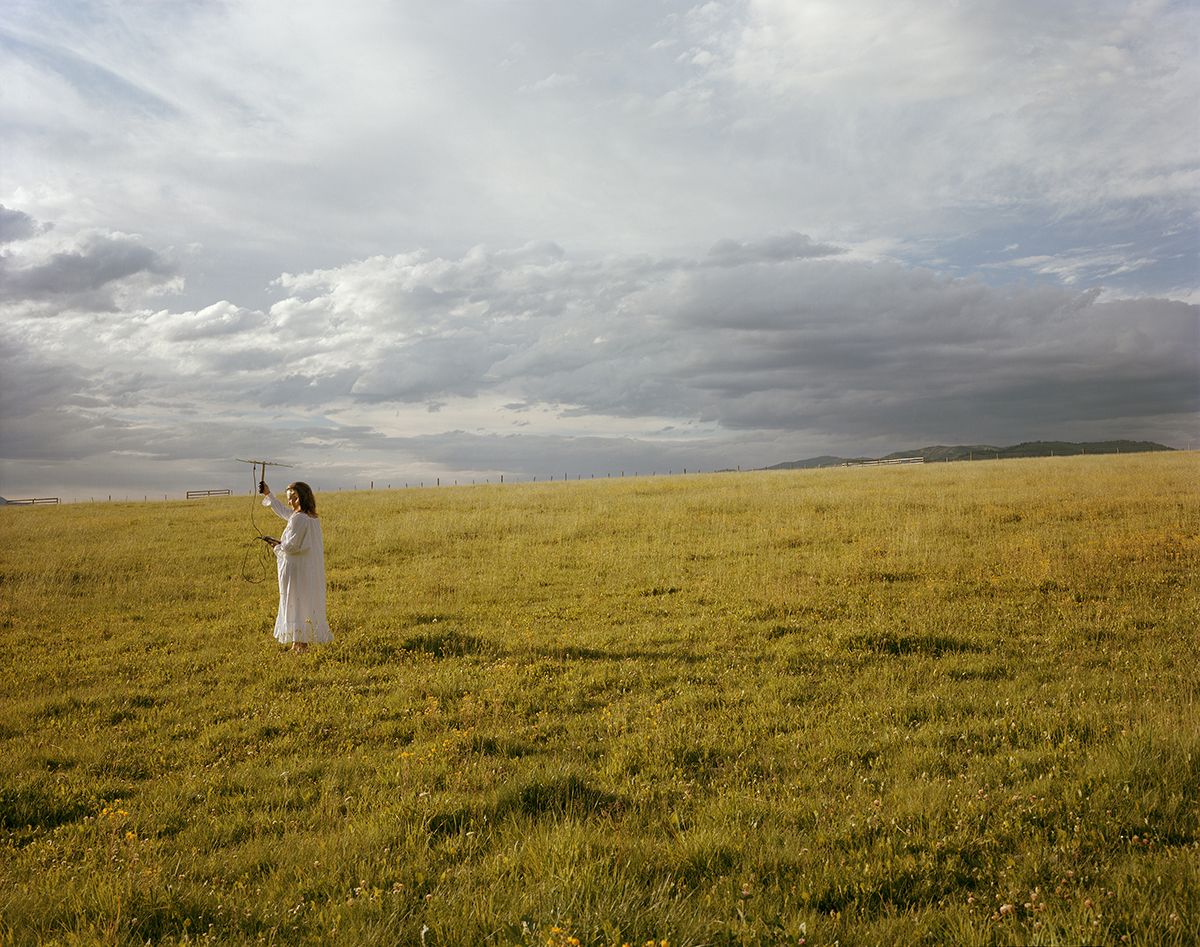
753, 344
918, 123
771, 249
93, 273
749, 225
211, 323
17, 225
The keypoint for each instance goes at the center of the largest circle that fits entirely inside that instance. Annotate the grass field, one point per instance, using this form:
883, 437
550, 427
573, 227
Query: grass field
952, 703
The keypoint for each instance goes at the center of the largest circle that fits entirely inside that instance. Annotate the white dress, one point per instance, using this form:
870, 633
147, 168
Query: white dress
301, 560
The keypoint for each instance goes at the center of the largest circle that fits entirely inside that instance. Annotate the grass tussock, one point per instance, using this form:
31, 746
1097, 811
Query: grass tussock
939, 704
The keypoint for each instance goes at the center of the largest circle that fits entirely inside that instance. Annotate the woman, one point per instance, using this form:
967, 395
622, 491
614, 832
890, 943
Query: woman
300, 552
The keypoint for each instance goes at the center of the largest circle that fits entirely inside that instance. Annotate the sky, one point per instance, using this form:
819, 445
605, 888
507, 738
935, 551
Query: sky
411, 242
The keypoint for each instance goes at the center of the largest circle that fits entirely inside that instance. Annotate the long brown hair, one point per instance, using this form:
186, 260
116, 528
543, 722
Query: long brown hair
308, 501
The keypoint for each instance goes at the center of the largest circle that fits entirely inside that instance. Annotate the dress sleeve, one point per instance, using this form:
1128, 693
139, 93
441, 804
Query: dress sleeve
295, 537
278, 507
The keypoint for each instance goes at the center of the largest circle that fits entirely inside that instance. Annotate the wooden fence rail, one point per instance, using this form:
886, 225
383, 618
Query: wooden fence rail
193, 494
885, 463
33, 501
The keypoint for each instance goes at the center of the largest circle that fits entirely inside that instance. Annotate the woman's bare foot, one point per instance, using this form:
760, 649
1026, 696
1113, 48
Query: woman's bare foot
299, 646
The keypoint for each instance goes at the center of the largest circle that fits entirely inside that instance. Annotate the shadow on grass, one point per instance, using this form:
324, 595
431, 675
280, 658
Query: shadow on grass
42, 805
558, 797
920, 874
890, 577
577, 653
443, 643
509, 749
433, 640
566, 796
389, 647
898, 644
698, 762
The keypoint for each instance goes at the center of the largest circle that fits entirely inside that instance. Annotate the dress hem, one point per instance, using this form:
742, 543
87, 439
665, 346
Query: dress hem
293, 635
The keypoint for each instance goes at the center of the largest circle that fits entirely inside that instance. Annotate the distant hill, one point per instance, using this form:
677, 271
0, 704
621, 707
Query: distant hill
986, 452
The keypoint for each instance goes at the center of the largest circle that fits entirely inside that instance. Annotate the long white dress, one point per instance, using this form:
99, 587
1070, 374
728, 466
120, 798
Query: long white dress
301, 560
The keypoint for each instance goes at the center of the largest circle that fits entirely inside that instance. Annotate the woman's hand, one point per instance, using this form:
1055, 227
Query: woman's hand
262, 487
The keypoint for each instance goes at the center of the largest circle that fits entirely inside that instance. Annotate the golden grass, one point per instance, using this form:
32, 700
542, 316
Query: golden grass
953, 703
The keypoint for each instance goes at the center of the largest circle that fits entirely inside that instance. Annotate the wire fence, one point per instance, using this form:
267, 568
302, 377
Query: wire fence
985, 454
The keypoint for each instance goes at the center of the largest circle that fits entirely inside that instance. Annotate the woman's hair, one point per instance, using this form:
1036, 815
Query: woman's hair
308, 502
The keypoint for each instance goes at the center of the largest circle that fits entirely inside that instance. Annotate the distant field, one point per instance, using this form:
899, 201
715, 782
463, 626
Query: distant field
950, 703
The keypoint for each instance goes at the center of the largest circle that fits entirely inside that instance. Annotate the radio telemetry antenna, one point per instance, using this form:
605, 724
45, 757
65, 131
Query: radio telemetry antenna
261, 463
258, 478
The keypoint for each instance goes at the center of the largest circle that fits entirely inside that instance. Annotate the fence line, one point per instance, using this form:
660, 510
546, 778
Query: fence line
884, 463
509, 478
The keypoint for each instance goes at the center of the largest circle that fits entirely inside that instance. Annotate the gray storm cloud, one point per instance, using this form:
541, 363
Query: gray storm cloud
17, 225
92, 274
664, 235
780, 336
766, 340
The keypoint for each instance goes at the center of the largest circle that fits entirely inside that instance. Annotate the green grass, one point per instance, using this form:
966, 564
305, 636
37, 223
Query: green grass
953, 703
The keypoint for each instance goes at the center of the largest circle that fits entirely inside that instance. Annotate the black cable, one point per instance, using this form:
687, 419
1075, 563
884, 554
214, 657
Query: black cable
258, 539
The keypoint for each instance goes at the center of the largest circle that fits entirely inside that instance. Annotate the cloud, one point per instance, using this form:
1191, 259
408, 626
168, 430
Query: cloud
764, 342
854, 121
549, 82
1084, 264
772, 249
980, 114
93, 273
101, 86
213, 322
17, 225
425, 232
